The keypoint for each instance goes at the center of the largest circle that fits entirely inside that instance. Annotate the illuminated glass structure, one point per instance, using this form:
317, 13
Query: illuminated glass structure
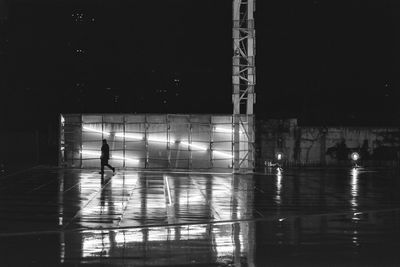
170, 141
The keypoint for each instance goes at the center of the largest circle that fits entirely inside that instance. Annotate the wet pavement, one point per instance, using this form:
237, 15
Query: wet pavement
310, 217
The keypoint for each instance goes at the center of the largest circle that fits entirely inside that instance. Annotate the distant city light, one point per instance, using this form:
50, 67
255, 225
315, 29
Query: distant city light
279, 156
355, 156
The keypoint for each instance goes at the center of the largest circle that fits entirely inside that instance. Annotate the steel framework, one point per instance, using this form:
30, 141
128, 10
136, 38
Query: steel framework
169, 141
243, 79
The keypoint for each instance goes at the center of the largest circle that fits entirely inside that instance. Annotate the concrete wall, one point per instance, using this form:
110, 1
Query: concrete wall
324, 145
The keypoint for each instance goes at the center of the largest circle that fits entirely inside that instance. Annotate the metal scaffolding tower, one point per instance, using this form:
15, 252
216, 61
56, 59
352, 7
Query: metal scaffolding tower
243, 80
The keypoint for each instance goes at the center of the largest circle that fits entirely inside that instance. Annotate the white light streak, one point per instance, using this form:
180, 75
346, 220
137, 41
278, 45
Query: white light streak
130, 136
222, 154
94, 130
126, 159
168, 190
161, 140
223, 130
90, 153
98, 154
123, 238
195, 146
226, 130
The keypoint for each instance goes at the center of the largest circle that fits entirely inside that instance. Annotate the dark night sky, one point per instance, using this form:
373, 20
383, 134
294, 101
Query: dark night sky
324, 62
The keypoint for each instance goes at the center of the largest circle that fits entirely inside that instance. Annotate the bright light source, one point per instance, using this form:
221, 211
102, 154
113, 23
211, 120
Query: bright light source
168, 190
90, 153
94, 130
225, 130
355, 156
98, 154
126, 159
279, 156
195, 146
130, 136
222, 154
161, 140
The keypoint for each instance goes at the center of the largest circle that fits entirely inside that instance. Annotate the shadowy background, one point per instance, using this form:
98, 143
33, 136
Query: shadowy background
323, 62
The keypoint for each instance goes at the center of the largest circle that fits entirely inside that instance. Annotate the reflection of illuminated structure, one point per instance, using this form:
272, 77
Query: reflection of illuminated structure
354, 188
355, 157
129, 243
152, 141
151, 199
354, 202
278, 186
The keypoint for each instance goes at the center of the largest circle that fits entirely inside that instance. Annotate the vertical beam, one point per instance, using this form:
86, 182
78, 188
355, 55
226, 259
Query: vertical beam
190, 142
81, 141
236, 82
146, 125
169, 142
243, 78
60, 125
211, 127
124, 141
236, 142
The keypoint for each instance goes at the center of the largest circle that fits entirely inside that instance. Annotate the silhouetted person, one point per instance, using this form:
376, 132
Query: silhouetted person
105, 156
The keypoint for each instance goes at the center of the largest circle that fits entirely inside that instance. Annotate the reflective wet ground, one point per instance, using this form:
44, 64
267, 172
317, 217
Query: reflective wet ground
341, 217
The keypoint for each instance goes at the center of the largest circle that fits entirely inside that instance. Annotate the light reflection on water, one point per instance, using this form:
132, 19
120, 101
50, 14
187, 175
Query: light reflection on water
225, 240
354, 184
278, 199
354, 189
226, 198
230, 198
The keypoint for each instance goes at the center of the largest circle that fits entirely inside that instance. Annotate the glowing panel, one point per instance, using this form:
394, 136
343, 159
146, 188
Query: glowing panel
98, 154
195, 146
125, 158
90, 129
225, 130
90, 153
161, 140
222, 154
130, 136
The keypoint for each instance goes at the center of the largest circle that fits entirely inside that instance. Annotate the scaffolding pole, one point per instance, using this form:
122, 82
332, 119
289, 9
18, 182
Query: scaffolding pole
243, 80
